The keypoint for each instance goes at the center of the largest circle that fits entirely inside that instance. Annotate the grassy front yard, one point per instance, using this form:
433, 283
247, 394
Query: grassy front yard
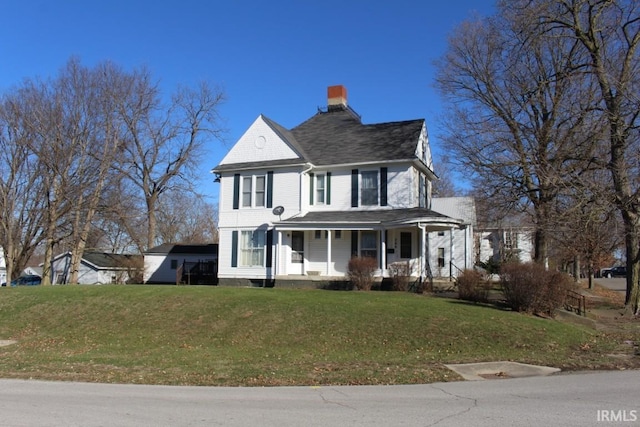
245, 336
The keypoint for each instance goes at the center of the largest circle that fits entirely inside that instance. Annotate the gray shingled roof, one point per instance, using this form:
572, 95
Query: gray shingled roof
109, 260
338, 136
260, 164
195, 249
369, 217
456, 207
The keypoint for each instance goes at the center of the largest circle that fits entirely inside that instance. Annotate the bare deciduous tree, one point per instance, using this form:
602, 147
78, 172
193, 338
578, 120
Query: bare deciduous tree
445, 185
609, 32
196, 224
21, 187
518, 123
164, 142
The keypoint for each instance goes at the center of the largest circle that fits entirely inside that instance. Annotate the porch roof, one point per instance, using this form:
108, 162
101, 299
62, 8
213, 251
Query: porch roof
389, 218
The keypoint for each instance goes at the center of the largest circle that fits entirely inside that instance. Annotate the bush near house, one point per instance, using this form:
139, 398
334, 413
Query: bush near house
473, 285
360, 272
532, 289
400, 274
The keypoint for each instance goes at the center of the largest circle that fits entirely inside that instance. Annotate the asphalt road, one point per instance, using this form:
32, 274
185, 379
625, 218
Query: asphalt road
615, 283
586, 399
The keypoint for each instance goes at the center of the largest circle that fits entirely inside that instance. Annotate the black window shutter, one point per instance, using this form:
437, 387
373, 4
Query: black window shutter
328, 189
236, 191
383, 186
234, 248
354, 188
311, 178
269, 248
270, 189
354, 243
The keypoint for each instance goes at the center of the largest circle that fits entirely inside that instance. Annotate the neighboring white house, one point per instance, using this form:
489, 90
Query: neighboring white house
508, 240
97, 268
296, 205
452, 251
192, 264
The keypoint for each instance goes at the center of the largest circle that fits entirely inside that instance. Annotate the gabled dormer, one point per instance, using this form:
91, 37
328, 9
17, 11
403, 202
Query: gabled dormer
264, 143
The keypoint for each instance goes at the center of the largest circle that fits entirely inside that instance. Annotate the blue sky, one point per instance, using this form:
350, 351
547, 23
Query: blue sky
271, 57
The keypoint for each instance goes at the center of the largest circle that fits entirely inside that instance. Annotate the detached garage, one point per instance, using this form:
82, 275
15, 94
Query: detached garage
195, 264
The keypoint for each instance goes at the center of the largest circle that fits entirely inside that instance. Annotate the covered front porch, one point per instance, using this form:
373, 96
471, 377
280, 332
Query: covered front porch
317, 247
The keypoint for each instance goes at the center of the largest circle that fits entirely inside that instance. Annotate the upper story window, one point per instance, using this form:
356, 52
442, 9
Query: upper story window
369, 188
260, 191
320, 189
247, 182
422, 191
253, 191
369, 194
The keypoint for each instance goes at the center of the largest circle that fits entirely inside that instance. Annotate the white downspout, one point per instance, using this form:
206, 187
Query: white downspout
302, 173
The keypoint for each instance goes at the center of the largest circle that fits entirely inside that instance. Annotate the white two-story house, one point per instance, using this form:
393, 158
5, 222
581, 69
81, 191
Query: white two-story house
296, 204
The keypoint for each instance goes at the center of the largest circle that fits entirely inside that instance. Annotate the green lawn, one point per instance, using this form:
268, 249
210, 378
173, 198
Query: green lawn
253, 336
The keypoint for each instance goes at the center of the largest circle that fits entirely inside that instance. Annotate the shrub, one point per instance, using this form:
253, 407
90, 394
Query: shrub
532, 289
473, 286
400, 274
491, 266
360, 272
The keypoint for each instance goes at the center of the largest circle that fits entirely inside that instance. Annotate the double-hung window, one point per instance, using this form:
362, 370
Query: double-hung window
369, 193
253, 191
320, 189
247, 182
252, 244
369, 244
369, 188
260, 191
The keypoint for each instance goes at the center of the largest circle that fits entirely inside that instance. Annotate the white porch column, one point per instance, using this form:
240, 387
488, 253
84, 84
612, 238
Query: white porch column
423, 250
383, 249
451, 249
328, 272
278, 256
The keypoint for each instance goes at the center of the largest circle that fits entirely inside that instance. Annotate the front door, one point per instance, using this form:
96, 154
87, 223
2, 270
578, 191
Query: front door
297, 252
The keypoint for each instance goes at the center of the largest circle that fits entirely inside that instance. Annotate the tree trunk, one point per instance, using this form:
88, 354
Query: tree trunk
46, 266
632, 243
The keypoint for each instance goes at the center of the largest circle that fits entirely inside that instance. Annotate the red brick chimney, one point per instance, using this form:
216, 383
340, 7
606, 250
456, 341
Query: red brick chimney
337, 95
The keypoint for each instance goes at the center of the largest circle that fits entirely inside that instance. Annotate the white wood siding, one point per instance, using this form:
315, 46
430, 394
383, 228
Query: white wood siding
340, 253
463, 251
401, 188
259, 143
286, 191
157, 267
87, 275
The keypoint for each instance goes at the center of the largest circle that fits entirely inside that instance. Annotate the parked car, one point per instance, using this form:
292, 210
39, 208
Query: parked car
29, 280
620, 271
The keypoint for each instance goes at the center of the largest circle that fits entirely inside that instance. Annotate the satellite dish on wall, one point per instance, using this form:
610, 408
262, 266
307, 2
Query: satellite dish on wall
278, 210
